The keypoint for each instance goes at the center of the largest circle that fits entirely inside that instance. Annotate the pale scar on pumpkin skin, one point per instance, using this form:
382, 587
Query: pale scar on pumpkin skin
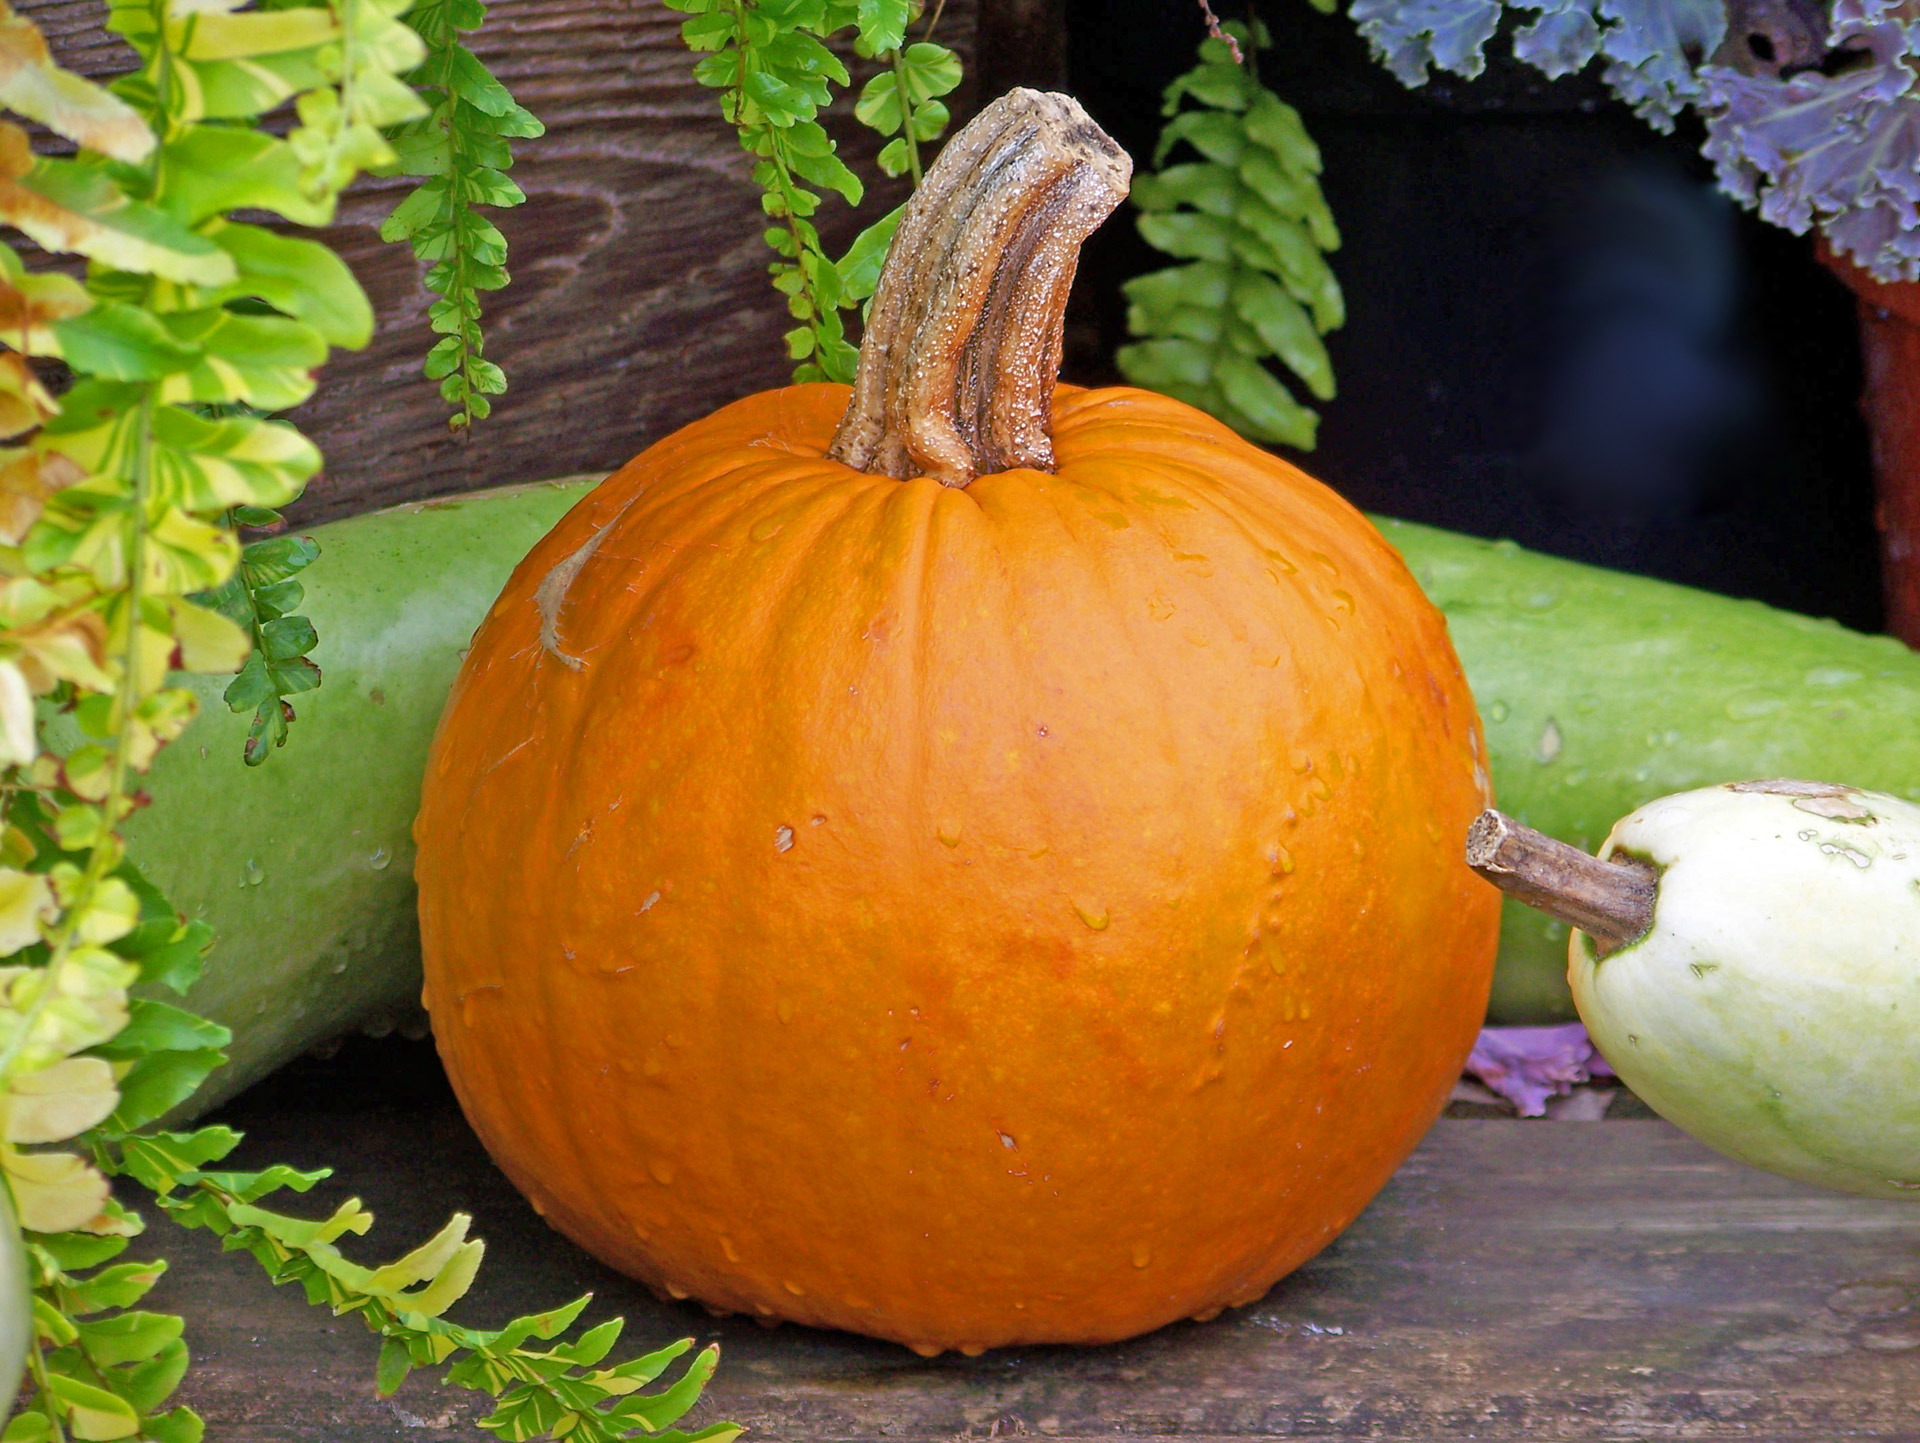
551, 594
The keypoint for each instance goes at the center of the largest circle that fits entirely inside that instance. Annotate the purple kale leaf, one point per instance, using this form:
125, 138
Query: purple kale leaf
1409, 35
1841, 151
1651, 48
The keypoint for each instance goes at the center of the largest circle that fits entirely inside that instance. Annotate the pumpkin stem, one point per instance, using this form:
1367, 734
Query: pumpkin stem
962, 346
1611, 901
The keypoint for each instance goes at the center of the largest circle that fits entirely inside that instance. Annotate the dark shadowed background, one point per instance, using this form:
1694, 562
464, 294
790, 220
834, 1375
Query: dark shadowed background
1557, 330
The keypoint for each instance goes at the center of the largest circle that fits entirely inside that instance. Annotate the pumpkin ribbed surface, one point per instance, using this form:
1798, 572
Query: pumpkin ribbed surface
1026, 912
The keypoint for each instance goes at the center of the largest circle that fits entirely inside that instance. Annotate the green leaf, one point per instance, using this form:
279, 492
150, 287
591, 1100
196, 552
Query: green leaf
131, 1337
33, 85
266, 362
395, 1364
28, 1426
234, 89
658, 1410
1200, 184
1158, 364
120, 1286
67, 205
155, 1085
92, 1412
147, 1385
1223, 86
122, 343
883, 24
1216, 135
236, 461
879, 104
1274, 415
1188, 235
212, 169
1273, 123
180, 1425
1284, 328
931, 70
76, 1252
1200, 284
286, 638
860, 267
422, 149
893, 158
929, 119
303, 278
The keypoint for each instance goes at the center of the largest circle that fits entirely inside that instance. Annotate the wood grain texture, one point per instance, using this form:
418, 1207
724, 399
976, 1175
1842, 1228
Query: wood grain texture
1516, 1281
640, 298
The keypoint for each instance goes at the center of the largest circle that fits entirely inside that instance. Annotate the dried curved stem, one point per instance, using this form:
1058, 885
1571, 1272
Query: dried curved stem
1611, 901
962, 346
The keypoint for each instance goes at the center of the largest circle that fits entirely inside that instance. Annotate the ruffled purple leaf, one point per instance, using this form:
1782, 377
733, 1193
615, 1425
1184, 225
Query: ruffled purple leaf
1409, 35
1528, 1065
1841, 151
1648, 44
1562, 40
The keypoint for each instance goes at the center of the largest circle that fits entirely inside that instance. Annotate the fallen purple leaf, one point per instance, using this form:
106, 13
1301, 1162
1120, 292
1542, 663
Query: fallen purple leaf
1527, 1065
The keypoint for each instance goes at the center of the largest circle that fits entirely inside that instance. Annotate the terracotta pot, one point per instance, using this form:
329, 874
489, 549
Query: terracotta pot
1890, 349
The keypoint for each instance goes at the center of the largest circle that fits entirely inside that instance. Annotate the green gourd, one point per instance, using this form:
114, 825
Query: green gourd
1599, 692
303, 866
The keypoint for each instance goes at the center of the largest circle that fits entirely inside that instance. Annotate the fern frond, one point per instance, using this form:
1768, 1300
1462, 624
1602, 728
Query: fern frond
1250, 224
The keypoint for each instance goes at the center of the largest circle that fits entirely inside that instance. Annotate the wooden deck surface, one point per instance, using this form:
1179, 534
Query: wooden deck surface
1516, 1281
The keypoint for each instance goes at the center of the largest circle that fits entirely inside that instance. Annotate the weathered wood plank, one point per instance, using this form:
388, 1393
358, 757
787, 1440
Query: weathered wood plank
639, 297
1516, 1281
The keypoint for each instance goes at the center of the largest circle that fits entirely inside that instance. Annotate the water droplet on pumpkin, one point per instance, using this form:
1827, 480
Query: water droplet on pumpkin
948, 833
1499, 711
378, 859
255, 874
1094, 916
1324, 562
766, 528
1342, 600
783, 838
1282, 861
727, 1247
1006, 1141
674, 1290
1281, 561
1142, 1255
1300, 762
1276, 962
791, 1286
1319, 788
783, 1009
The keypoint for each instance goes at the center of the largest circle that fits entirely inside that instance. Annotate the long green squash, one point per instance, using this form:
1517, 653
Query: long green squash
303, 866
1600, 691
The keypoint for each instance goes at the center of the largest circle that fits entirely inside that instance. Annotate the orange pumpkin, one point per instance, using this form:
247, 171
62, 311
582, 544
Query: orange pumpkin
1020, 911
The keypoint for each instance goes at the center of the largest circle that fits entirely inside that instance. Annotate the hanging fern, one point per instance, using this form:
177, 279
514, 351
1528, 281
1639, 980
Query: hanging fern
1248, 220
